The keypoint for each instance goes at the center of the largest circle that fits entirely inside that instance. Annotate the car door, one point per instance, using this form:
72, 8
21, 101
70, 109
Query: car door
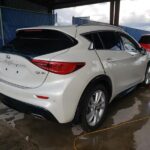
139, 61
118, 64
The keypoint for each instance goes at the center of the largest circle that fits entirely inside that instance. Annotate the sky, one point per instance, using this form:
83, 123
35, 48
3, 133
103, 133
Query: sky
133, 13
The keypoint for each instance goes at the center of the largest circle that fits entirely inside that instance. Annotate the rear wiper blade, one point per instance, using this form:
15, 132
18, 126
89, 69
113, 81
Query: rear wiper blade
9, 46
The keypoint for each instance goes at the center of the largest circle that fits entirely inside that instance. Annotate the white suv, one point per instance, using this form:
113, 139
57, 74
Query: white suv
70, 73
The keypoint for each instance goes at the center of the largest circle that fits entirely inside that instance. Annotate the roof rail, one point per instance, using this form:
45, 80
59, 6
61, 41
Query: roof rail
90, 23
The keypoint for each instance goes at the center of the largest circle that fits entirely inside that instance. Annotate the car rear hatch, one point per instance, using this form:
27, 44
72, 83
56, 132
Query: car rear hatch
16, 58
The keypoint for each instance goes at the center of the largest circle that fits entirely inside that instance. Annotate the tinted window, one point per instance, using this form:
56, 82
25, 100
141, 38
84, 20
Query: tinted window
39, 42
145, 40
129, 43
110, 40
94, 38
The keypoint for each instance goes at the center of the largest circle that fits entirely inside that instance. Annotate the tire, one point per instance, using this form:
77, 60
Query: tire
94, 107
147, 76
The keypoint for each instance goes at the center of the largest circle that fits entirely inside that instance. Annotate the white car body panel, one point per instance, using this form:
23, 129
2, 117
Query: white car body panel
124, 69
65, 91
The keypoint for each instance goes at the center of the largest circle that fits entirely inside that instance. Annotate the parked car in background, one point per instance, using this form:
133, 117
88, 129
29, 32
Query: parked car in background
72, 72
145, 42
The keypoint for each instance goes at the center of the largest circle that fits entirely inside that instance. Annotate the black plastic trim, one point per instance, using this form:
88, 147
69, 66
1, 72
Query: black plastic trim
26, 108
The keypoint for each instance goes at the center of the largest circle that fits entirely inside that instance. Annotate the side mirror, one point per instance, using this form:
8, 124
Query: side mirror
143, 51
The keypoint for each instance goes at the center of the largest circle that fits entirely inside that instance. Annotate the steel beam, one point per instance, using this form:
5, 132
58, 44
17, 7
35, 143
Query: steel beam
112, 12
117, 12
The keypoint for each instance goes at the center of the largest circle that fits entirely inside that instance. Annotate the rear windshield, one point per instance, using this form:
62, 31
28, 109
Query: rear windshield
40, 42
145, 40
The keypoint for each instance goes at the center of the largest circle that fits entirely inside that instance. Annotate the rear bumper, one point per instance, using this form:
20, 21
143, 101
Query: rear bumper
26, 108
27, 97
58, 104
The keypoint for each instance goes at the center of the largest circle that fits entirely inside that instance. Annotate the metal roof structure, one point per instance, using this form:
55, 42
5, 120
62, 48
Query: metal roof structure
50, 5
23, 5
57, 4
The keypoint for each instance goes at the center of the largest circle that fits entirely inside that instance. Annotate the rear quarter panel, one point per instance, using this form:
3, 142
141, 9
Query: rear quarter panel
76, 82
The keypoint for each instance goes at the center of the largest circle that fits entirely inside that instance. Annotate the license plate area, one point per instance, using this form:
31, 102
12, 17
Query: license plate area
13, 70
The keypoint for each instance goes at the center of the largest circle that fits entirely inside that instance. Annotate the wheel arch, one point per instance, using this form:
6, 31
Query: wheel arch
148, 63
101, 79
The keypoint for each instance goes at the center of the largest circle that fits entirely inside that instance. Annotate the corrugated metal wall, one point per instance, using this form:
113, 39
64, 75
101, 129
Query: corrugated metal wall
136, 33
14, 19
80, 20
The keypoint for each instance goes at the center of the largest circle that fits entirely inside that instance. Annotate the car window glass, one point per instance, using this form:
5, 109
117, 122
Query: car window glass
94, 38
110, 40
129, 44
39, 42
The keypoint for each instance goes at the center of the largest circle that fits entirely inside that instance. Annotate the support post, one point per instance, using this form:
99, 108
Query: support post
1, 27
117, 12
112, 12
50, 11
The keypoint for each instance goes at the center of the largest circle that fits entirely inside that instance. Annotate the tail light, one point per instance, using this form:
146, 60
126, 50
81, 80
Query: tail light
58, 67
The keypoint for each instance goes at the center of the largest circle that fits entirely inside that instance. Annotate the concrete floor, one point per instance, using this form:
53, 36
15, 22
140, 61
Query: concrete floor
24, 132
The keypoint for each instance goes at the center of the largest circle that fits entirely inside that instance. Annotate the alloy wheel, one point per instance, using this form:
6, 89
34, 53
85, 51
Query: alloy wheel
147, 78
96, 108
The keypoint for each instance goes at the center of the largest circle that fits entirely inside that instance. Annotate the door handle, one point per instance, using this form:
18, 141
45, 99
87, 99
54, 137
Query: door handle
110, 60
113, 60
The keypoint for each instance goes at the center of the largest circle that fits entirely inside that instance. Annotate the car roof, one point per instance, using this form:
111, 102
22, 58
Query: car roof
101, 27
80, 29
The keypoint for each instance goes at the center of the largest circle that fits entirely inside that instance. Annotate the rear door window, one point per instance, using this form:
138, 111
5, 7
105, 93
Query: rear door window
40, 42
94, 39
111, 40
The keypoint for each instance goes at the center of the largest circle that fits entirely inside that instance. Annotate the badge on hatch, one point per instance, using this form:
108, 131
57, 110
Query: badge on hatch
7, 56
